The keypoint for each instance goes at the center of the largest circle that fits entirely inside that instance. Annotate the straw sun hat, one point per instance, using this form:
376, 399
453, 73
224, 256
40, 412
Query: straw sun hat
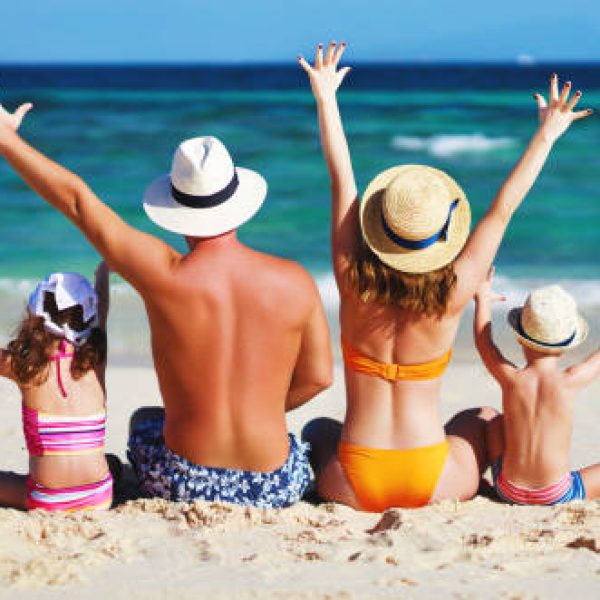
415, 218
549, 321
205, 194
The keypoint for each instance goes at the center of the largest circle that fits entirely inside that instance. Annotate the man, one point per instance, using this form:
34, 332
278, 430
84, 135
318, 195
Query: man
238, 337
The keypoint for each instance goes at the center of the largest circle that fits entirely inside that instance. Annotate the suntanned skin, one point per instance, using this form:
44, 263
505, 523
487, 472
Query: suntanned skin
405, 414
86, 396
238, 337
534, 434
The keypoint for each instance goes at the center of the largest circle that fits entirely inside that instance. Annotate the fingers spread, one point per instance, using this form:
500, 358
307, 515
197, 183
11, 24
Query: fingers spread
319, 57
330, 52
582, 114
574, 100
343, 72
564, 95
554, 88
338, 53
23, 110
541, 101
304, 64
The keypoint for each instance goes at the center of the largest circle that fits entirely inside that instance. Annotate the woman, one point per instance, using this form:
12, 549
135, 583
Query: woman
406, 268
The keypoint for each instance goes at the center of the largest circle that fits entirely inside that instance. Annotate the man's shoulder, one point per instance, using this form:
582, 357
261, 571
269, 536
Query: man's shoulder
292, 268
287, 275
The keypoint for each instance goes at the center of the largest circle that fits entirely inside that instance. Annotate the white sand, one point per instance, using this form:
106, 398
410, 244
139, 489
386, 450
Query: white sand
153, 549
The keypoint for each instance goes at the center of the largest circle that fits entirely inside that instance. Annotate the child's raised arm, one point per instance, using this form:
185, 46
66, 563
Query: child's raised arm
586, 371
478, 254
325, 79
500, 368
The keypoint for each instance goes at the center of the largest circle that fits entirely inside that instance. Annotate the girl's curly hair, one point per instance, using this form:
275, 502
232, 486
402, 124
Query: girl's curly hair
31, 350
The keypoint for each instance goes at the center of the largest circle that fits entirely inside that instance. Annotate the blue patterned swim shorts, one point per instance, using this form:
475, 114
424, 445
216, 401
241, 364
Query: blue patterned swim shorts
164, 474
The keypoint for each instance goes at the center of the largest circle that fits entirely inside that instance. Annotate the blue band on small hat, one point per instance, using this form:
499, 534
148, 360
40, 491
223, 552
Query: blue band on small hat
419, 244
562, 344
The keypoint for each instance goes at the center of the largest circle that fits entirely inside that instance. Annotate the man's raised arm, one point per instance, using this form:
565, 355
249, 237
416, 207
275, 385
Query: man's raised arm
138, 257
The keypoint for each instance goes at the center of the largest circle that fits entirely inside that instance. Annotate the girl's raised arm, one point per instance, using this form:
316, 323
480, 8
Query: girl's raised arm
102, 287
555, 118
325, 79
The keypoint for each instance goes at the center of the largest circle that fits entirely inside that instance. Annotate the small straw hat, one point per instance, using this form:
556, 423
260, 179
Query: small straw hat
549, 321
415, 218
205, 194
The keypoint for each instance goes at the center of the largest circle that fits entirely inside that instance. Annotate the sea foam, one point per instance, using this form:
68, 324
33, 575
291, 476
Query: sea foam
585, 291
450, 145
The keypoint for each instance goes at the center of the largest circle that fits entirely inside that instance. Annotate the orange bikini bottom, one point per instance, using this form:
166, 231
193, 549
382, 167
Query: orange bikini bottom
383, 478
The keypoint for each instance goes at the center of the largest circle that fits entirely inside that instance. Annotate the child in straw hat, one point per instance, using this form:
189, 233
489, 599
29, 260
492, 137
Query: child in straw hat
530, 452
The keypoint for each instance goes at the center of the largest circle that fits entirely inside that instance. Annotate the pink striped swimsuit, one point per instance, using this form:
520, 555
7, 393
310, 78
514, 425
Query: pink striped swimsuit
61, 435
568, 488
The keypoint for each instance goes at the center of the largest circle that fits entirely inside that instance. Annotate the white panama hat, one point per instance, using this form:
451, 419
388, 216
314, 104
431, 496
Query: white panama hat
205, 194
549, 321
68, 289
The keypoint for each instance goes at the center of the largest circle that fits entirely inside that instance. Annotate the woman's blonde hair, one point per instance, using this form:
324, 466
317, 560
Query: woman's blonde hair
420, 293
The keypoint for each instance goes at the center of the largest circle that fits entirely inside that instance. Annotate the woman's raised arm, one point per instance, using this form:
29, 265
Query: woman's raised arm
325, 79
555, 117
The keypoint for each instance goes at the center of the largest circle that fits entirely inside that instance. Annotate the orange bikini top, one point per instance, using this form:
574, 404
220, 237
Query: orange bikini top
355, 361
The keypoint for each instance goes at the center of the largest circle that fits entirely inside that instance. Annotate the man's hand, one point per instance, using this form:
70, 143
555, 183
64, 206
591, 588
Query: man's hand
12, 121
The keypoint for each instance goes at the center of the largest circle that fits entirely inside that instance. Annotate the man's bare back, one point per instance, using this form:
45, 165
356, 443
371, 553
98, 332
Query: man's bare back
228, 331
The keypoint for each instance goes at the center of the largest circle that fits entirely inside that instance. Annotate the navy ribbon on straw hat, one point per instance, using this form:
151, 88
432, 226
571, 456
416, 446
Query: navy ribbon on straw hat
566, 342
210, 200
419, 244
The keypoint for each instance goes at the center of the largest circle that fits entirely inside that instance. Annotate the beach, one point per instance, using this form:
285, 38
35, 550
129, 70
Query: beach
121, 135
156, 549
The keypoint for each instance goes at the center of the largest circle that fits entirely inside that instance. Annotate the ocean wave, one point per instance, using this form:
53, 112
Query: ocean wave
450, 145
585, 291
21, 287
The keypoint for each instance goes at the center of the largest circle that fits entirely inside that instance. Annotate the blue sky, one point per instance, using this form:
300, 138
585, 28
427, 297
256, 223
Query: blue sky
276, 30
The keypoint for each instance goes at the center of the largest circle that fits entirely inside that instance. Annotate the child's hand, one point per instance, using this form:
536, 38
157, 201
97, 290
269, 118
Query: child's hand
557, 115
324, 77
12, 121
485, 293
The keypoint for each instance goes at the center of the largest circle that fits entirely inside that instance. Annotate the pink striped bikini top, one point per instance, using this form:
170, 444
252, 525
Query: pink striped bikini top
61, 434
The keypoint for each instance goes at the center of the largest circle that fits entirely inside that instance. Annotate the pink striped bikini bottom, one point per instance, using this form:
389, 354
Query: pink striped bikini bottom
91, 496
568, 488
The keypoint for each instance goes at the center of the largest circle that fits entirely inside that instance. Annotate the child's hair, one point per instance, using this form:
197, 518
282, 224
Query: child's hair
421, 293
31, 350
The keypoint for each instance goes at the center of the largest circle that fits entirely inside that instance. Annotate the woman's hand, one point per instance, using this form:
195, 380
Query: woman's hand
13, 121
485, 292
557, 114
324, 76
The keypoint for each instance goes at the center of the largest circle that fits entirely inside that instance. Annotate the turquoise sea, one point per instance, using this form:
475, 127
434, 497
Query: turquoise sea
119, 135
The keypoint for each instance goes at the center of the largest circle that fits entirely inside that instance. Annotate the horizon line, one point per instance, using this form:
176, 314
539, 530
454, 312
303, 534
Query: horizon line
362, 63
